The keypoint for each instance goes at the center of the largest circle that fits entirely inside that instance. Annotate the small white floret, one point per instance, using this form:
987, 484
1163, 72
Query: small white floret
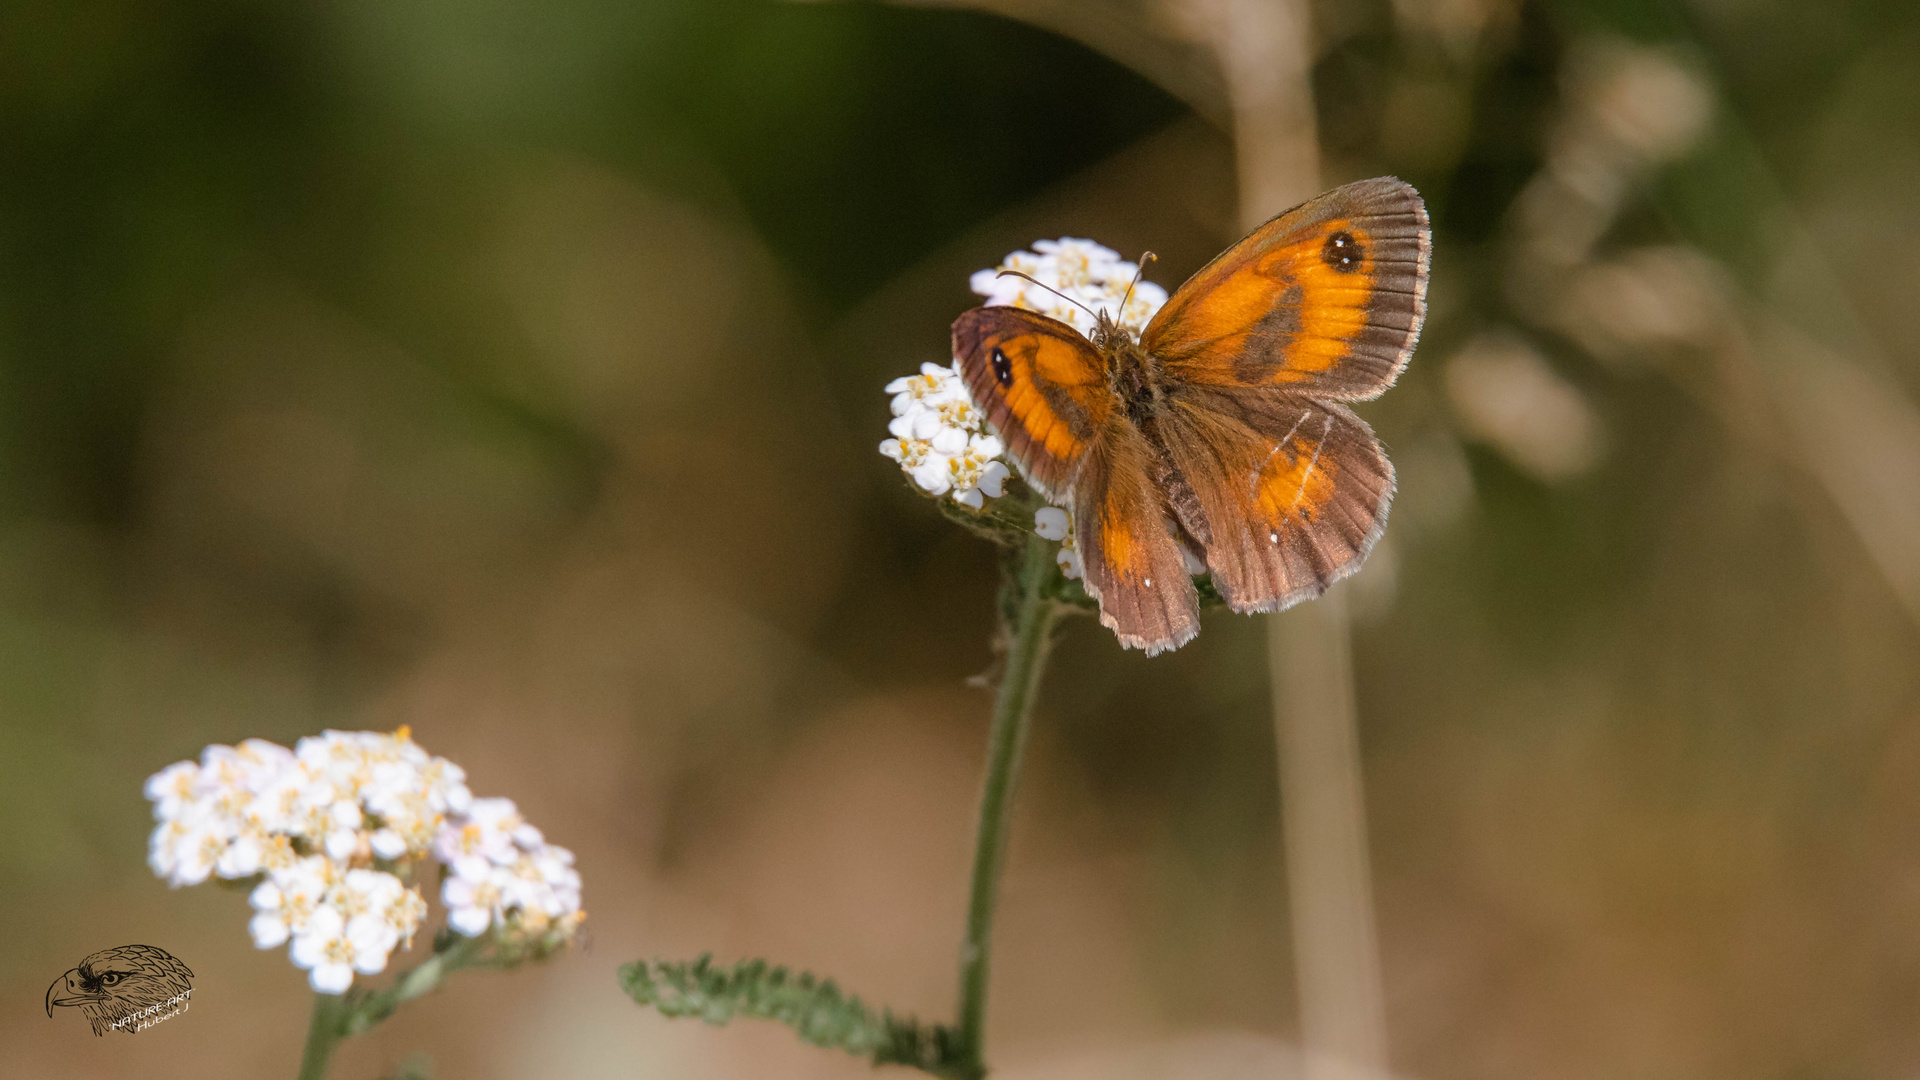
1051, 523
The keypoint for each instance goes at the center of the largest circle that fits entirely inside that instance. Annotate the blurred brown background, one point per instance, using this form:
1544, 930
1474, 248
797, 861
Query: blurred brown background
513, 371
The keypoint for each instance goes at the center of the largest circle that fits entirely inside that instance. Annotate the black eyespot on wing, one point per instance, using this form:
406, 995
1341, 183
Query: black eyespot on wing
1002, 368
1342, 252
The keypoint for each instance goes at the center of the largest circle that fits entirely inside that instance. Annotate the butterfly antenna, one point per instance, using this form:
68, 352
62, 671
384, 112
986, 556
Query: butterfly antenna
1051, 289
1145, 258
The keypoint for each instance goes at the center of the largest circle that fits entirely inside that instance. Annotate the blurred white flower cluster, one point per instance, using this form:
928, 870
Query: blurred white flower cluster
506, 876
332, 827
940, 437
1087, 272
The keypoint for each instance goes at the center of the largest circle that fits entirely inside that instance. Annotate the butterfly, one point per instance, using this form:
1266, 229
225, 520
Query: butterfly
1223, 426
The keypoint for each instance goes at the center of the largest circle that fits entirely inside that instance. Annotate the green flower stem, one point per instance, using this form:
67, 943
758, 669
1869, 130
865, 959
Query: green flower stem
340, 1016
324, 1032
454, 953
1031, 600
1030, 615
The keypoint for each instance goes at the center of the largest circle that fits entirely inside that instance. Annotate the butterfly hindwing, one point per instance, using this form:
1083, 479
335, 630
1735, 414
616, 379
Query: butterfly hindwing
1131, 561
1043, 387
1288, 494
1326, 299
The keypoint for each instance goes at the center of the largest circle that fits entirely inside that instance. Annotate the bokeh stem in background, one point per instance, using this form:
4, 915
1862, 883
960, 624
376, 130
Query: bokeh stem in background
1860, 437
1336, 953
1264, 48
1265, 52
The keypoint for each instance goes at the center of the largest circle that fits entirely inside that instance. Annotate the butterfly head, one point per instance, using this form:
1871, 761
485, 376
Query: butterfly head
1108, 333
1108, 330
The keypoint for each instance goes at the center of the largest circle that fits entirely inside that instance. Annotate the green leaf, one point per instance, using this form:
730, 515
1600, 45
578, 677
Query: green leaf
813, 1007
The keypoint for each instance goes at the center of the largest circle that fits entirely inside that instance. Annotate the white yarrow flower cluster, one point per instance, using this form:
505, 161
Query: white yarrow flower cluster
1087, 272
325, 826
506, 876
940, 438
939, 434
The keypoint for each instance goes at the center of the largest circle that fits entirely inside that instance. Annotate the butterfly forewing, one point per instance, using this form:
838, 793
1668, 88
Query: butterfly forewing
1326, 299
1291, 492
1043, 387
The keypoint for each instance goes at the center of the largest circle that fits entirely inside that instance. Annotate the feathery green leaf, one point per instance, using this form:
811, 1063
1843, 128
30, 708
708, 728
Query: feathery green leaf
815, 1008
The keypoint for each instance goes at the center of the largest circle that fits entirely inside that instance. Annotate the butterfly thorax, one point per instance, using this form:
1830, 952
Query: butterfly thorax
1136, 378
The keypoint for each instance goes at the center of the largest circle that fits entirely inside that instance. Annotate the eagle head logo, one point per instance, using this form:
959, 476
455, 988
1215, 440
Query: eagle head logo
113, 986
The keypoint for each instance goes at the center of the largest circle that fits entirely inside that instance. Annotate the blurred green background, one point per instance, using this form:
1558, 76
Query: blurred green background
513, 371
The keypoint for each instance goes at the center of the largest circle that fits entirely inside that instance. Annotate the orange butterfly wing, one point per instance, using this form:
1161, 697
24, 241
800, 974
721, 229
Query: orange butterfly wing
1286, 488
1287, 494
1326, 299
1132, 562
1043, 387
